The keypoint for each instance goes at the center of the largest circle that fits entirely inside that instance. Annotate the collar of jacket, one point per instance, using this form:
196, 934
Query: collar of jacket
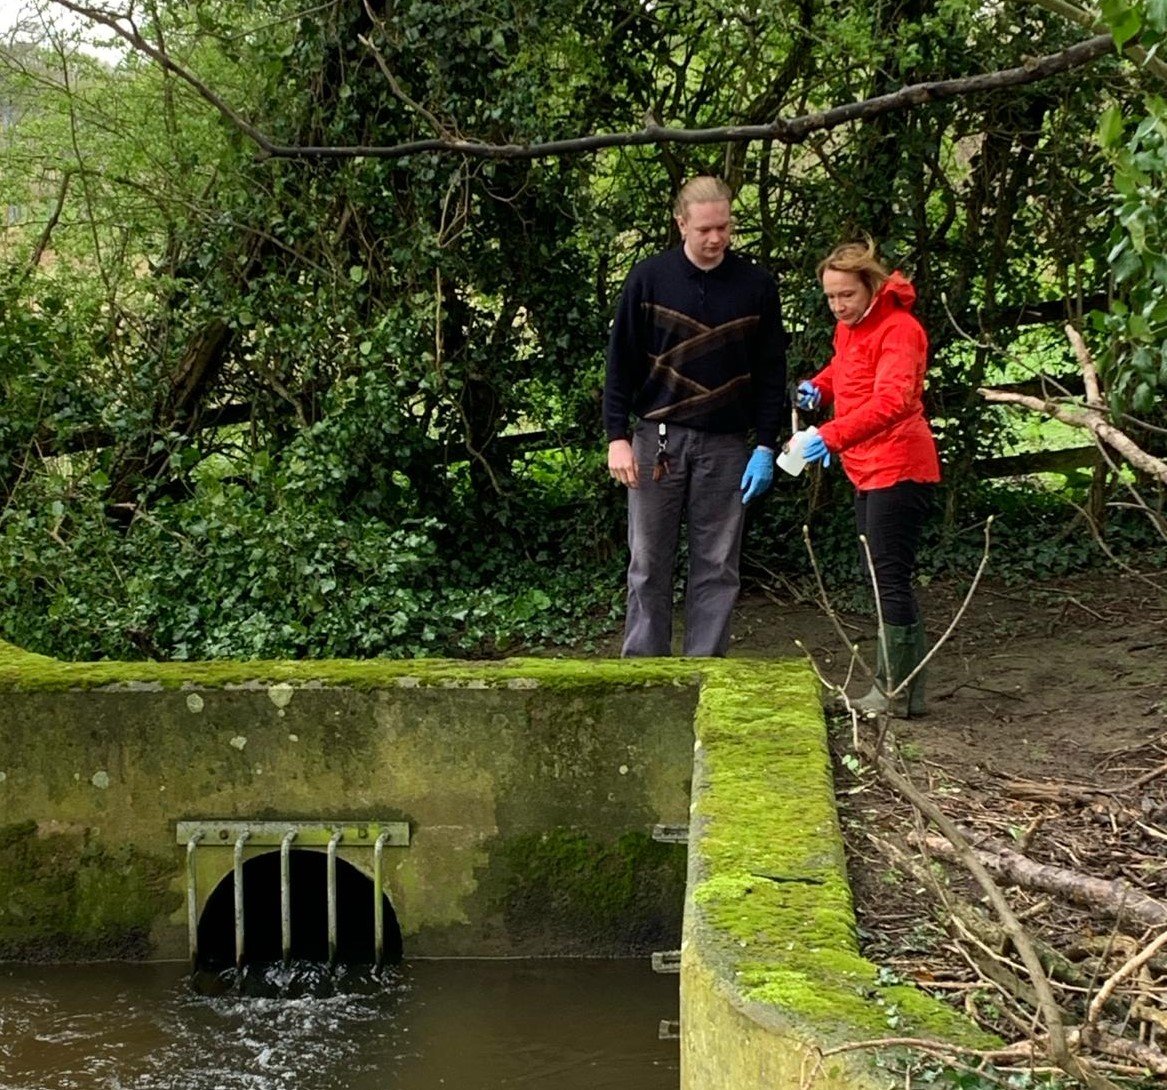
695, 271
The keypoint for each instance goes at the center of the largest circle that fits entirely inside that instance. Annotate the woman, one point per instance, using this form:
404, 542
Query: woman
875, 382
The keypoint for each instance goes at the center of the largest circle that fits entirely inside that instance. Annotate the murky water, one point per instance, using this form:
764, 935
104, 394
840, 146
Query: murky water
460, 1025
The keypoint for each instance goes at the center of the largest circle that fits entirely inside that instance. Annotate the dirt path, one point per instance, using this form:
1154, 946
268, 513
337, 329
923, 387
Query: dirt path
1038, 681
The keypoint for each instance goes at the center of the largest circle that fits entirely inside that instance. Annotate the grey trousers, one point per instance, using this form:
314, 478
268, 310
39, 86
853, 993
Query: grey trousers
703, 485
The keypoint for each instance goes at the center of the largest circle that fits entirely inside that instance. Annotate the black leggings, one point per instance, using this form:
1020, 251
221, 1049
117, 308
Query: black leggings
891, 519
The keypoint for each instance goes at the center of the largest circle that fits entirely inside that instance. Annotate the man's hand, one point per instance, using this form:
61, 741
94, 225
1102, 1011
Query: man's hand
621, 463
759, 474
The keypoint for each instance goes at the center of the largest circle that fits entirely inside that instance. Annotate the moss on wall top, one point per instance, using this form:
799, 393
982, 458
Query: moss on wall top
24, 671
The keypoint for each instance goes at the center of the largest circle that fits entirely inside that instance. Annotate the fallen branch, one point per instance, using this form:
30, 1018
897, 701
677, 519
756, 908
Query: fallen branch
1022, 1051
1146, 1057
1114, 898
1120, 1048
1130, 966
974, 920
1094, 417
1070, 793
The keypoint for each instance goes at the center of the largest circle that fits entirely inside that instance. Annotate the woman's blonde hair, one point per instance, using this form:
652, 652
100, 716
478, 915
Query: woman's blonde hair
858, 258
699, 190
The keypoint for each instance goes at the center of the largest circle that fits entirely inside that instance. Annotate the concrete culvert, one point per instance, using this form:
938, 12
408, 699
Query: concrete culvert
308, 872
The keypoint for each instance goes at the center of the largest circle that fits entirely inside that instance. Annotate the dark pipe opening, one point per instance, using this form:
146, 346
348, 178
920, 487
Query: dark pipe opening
308, 871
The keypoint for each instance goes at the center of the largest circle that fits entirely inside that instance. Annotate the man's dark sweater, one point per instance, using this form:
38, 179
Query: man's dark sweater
700, 348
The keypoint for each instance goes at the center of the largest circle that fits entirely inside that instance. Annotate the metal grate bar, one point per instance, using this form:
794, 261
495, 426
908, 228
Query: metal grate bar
286, 895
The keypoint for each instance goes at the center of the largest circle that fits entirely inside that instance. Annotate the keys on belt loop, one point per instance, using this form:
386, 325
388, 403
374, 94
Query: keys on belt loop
662, 453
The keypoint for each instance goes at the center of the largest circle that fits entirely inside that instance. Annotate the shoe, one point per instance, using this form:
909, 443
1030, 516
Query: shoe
906, 647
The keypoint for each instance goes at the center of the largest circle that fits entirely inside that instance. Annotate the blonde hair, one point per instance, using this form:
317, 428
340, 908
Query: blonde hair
858, 258
699, 190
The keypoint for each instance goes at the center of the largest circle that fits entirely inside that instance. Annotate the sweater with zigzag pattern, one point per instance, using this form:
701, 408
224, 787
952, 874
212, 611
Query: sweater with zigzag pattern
703, 348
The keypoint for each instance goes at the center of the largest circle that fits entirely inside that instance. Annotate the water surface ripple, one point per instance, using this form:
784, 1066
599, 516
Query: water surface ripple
470, 1025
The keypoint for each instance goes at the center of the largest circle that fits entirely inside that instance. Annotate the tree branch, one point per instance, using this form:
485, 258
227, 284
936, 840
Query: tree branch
1091, 21
1092, 421
789, 131
1093, 418
42, 243
1089, 371
129, 33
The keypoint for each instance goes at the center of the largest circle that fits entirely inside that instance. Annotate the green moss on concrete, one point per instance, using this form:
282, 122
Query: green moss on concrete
774, 903
22, 671
768, 830
581, 894
67, 897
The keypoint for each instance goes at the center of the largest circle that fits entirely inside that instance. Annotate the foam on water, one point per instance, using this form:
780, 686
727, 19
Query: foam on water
264, 1031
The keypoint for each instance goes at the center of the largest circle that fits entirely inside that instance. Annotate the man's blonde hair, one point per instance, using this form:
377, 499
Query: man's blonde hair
699, 190
858, 258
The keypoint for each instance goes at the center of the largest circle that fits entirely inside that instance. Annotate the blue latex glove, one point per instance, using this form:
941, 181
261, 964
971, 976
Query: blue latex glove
759, 474
815, 450
808, 396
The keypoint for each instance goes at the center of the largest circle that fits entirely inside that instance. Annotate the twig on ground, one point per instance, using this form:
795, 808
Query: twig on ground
825, 603
1050, 1013
1116, 978
1147, 777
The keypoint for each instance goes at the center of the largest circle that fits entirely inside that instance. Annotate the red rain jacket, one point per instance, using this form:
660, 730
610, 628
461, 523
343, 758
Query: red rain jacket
876, 383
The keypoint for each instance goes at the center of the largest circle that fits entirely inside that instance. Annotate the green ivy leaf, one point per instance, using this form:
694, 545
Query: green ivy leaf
1123, 21
1156, 15
1110, 127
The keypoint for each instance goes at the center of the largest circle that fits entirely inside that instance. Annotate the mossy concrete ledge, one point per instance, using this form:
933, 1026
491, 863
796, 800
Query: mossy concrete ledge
771, 975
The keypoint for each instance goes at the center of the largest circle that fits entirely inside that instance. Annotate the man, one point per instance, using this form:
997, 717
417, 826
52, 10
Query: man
697, 355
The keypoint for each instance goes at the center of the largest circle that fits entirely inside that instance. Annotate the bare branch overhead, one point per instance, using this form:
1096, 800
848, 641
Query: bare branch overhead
785, 130
1090, 21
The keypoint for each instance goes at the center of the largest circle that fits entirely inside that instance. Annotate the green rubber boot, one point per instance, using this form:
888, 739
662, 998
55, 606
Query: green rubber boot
919, 653
906, 648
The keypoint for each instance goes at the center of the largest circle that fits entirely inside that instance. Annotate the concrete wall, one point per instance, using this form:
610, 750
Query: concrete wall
530, 794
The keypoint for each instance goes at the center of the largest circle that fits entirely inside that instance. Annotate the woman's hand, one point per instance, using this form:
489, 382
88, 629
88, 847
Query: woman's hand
808, 396
815, 450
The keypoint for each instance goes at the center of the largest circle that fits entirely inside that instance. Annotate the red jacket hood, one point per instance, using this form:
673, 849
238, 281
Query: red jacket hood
896, 291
